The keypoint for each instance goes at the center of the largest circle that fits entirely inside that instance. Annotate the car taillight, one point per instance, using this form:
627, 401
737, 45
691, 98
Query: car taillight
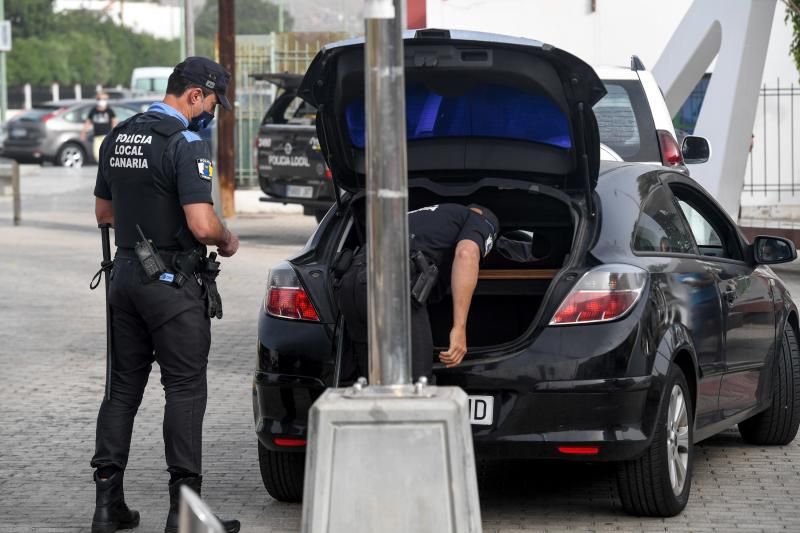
53, 114
286, 297
328, 173
288, 442
602, 294
670, 151
579, 450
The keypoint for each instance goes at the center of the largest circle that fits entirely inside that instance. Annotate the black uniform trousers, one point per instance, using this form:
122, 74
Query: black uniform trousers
155, 321
350, 294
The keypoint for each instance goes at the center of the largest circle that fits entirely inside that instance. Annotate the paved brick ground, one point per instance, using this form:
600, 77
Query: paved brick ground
51, 384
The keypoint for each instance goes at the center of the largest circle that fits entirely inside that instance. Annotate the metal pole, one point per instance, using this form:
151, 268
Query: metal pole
15, 192
3, 87
226, 161
387, 196
188, 26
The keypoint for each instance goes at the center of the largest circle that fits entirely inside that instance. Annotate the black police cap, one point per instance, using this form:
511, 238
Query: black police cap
206, 73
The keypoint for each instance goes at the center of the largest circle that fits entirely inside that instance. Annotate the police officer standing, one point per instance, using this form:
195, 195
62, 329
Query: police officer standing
154, 187
447, 243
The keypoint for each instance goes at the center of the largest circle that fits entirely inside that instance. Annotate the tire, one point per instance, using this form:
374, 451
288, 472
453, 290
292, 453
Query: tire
282, 473
651, 484
778, 424
70, 155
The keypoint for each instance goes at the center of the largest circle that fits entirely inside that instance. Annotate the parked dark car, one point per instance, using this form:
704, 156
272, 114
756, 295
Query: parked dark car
51, 132
291, 168
633, 321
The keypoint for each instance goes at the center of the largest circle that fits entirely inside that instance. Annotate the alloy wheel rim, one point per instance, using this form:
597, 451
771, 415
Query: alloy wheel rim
677, 440
72, 157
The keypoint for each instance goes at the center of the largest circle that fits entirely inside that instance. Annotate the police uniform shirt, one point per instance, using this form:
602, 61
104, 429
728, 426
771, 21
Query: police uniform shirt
150, 167
101, 120
437, 229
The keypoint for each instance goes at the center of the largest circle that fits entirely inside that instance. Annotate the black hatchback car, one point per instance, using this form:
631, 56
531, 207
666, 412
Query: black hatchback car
623, 318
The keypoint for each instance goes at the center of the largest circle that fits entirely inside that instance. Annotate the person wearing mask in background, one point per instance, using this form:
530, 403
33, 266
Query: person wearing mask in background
101, 120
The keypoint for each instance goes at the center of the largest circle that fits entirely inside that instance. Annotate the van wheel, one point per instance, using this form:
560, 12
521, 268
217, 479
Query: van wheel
70, 155
778, 424
658, 482
282, 473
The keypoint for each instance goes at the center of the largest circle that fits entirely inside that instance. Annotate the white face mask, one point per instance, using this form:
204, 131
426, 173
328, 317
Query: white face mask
102, 103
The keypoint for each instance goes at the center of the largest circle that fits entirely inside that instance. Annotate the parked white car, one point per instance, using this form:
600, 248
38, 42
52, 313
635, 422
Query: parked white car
635, 124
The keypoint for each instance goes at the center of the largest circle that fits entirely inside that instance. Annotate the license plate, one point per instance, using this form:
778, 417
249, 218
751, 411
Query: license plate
299, 191
17, 132
481, 410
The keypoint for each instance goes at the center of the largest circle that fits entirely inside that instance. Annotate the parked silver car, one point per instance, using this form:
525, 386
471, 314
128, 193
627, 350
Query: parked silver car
51, 132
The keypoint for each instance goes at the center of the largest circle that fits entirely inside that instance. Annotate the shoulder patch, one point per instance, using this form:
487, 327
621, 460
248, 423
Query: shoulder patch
190, 136
205, 169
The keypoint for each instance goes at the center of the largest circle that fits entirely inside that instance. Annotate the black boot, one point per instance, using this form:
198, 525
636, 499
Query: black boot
110, 512
194, 483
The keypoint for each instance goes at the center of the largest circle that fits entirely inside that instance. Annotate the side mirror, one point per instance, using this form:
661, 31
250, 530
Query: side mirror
695, 150
773, 250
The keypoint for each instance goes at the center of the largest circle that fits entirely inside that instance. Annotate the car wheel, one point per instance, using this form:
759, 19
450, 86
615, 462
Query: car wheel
778, 424
658, 482
282, 473
70, 155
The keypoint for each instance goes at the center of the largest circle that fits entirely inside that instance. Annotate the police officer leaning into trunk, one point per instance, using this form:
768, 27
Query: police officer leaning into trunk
155, 173
447, 243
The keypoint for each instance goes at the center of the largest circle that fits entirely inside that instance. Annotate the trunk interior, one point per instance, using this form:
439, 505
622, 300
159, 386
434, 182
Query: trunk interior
535, 240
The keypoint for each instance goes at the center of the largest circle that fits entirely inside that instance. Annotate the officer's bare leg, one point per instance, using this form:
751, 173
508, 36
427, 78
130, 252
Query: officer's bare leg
131, 364
181, 349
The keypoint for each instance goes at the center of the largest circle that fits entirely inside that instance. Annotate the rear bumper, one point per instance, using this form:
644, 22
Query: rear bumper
615, 416
276, 190
27, 153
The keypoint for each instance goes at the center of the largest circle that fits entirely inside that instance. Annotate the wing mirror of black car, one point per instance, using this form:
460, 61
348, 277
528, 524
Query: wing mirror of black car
695, 150
773, 250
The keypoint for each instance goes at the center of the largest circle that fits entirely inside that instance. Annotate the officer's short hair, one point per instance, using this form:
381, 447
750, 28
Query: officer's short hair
177, 85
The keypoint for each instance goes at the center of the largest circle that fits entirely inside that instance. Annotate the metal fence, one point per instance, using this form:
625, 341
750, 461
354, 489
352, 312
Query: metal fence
773, 170
258, 54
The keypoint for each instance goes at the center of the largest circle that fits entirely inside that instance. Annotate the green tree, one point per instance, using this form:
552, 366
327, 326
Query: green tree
85, 47
252, 17
29, 18
793, 17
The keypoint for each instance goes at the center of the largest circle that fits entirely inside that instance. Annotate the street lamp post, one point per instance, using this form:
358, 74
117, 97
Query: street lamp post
399, 453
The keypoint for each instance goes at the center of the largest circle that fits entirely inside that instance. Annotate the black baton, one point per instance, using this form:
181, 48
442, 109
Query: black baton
106, 266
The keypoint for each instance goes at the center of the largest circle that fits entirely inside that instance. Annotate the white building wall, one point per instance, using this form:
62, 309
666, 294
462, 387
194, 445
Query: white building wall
608, 36
620, 28
144, 17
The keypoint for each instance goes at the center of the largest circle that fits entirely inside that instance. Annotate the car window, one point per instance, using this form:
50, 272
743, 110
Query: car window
78, 114
704, 234
299, 112
123, 112
660, 228
626, 123
714, 234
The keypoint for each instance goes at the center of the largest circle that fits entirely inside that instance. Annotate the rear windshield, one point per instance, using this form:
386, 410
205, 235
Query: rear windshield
289, 109
486, 111
626, 124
